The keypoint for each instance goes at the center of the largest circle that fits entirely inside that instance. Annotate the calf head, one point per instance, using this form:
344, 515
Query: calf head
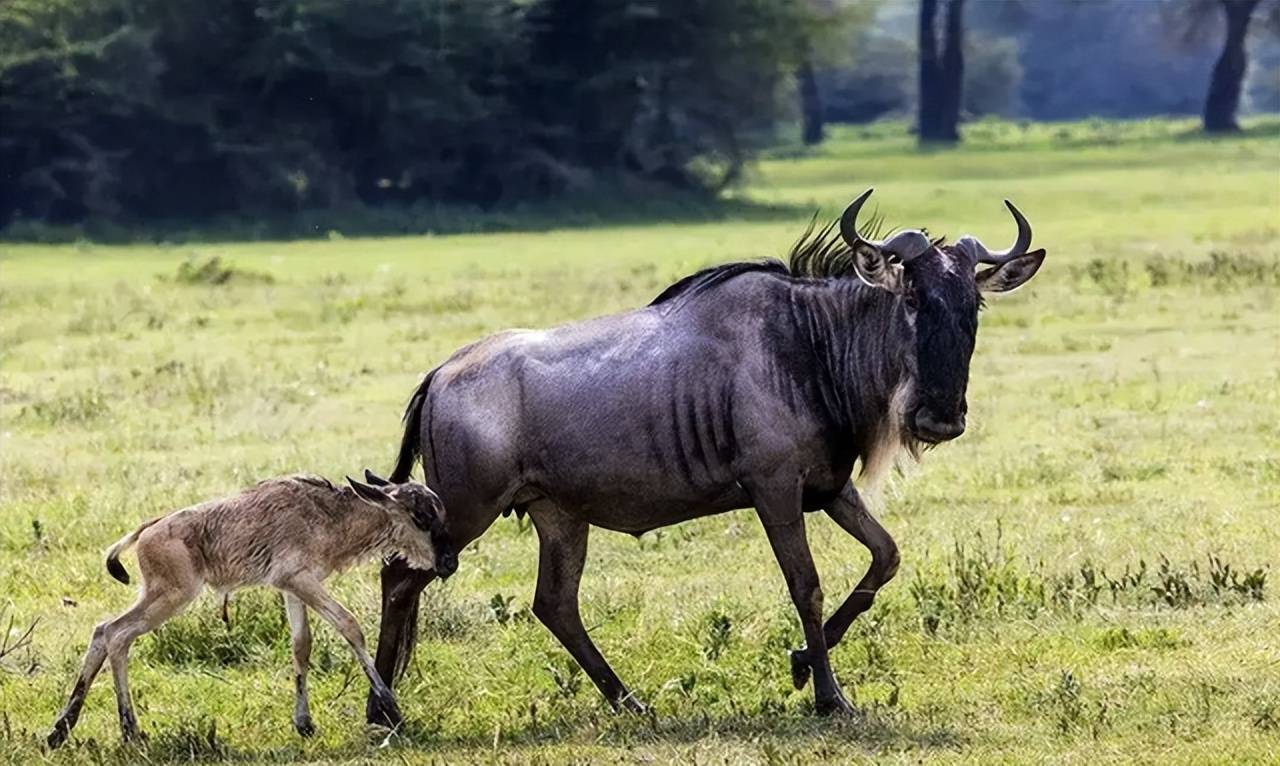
422, 509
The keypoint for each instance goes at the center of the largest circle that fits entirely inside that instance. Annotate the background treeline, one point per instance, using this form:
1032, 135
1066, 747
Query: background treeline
154, 109
141, 111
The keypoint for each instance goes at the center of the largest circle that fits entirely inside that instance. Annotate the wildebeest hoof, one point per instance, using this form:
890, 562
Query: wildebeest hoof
304, 726
381, 713
58, 735
629, 704
835, 705
800, 668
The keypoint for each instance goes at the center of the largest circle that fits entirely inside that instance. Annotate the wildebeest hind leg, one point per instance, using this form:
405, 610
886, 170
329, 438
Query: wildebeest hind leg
562, 552
853, 517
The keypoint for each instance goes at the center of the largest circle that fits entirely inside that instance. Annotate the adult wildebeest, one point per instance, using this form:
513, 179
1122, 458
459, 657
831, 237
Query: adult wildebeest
743, 385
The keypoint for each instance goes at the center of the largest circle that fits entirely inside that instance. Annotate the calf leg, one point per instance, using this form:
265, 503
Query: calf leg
561, 553
852, 515
154, 607
300, 641
93, 659
780, 512
313, 594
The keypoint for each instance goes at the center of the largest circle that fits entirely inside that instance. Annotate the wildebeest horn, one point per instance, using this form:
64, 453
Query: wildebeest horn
1019, 246
904, 245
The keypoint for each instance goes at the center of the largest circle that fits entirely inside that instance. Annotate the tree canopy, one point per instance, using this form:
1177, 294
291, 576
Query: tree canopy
142, 109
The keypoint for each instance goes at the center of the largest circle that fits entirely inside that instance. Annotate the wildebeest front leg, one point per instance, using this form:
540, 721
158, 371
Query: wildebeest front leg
784, 525
401, 590
852, 515
562, 551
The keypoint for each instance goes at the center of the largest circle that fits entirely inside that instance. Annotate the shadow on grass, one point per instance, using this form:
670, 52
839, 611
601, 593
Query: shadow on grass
878, 730
633, 207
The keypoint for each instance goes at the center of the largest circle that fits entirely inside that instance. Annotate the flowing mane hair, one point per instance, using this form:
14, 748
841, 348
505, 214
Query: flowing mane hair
819, 253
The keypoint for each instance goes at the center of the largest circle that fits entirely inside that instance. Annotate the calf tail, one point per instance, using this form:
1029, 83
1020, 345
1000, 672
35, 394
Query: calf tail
410, 444
114, 568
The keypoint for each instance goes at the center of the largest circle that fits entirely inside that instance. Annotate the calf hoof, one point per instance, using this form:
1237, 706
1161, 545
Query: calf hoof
304, 726
59, 735
133, 736
800, 668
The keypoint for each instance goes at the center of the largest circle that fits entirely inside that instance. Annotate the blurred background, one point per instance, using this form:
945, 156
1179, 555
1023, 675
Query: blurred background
148, 113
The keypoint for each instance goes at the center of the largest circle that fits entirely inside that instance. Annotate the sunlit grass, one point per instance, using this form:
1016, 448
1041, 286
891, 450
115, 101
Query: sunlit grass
1125, 418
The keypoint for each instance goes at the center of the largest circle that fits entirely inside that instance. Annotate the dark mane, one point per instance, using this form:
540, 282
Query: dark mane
819, 253
315, 481
701, 281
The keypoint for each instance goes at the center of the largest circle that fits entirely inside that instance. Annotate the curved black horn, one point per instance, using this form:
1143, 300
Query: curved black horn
905, 245
849, 221
1019, 246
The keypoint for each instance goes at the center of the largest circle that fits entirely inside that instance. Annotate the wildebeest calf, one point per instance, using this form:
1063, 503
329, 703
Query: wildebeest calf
290, 533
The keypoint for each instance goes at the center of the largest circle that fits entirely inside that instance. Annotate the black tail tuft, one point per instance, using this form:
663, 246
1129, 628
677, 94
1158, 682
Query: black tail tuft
410, 447
115, 569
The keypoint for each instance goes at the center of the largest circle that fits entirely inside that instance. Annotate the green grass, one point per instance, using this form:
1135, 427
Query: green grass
1089, 574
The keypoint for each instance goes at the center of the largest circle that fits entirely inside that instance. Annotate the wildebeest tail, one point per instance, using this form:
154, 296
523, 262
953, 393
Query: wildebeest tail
114, 568
410, 447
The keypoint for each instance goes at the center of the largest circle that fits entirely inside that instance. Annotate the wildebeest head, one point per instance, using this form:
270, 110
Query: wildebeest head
424, 509
941, 294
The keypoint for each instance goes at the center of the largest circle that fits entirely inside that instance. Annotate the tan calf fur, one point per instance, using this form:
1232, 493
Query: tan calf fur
289, 533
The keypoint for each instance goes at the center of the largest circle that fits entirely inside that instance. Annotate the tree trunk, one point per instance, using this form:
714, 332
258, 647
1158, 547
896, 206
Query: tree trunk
927, 99
810, 103
952, 79
1228, 73
941, 74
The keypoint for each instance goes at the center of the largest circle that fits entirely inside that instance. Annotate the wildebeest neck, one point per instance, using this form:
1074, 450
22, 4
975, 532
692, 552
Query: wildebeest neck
857, 339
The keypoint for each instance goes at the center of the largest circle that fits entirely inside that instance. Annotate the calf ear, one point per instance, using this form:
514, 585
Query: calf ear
873, 267
372, 495
1011, 274
437, 505
375, 479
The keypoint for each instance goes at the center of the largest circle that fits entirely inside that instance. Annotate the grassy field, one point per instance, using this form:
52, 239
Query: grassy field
1089, 574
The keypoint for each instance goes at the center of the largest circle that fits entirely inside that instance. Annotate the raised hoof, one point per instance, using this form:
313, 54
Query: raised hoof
800, 668
304, 726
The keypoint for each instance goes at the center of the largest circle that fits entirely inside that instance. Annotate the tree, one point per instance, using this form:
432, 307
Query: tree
811, 112
1197, 18
941, 71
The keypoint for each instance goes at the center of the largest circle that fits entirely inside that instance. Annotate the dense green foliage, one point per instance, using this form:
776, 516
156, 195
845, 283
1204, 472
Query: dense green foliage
1089, 574
155, 109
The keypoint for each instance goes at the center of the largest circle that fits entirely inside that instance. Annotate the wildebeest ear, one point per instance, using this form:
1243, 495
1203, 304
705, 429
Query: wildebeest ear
375, 479
371, 495
874, 268
1011, 274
